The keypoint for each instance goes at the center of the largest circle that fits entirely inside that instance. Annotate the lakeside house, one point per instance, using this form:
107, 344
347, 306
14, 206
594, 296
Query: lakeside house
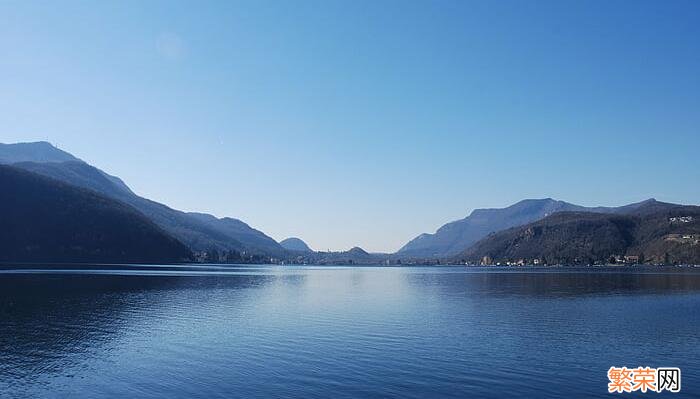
631, 259
625, 259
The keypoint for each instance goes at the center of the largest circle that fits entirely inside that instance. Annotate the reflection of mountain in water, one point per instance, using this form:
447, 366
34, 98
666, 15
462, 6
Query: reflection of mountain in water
560, 282
257, 331
52, 322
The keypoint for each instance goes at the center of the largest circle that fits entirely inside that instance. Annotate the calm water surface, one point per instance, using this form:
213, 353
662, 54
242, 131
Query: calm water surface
341, 332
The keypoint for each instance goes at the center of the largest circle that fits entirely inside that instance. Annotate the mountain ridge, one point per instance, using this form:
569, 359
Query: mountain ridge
203, 233
454, 237
197, 232
39, 151
656, 232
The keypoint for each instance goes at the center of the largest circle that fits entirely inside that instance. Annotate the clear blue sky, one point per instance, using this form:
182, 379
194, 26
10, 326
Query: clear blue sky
362, 122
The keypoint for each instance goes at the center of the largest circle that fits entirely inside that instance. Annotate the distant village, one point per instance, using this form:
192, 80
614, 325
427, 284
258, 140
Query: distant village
612, 260
360, 257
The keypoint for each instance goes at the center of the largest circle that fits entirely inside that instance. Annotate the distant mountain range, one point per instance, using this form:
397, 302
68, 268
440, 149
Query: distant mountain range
454, 237
200, 232
68, 190
654, 232
355, 255
44, 220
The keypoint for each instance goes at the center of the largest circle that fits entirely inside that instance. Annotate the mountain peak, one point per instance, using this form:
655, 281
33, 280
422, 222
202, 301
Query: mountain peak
38, 151
538, 201
529, 205
295, 244
548, 199
357, 251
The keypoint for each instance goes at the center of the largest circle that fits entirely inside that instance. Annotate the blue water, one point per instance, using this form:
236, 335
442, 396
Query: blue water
341, 332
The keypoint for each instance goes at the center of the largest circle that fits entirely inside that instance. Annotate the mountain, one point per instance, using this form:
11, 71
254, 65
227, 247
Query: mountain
456, 236
199, 232
44, 220
655, 232
357, 252
355, 255
192, 232
295, 244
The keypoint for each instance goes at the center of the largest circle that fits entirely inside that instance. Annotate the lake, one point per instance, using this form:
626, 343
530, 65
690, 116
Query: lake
211, 331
